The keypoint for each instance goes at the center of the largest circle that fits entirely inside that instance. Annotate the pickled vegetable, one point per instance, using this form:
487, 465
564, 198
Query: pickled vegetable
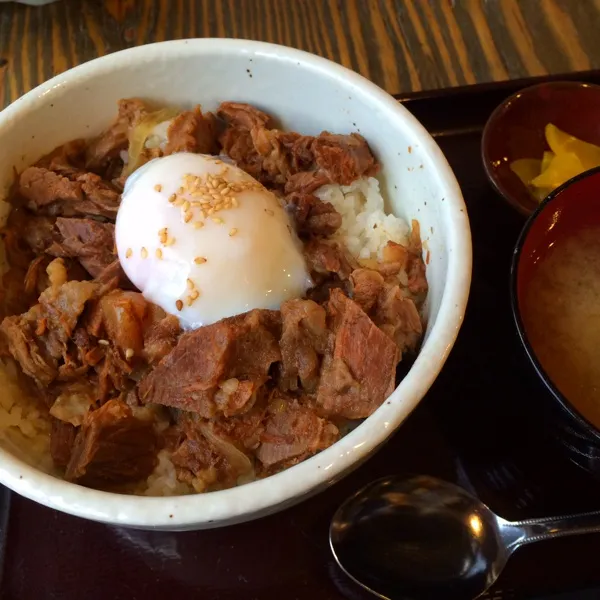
568, 156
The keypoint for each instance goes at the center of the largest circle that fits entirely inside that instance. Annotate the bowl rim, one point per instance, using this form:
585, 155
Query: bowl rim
495, 181
288, 487
561, 400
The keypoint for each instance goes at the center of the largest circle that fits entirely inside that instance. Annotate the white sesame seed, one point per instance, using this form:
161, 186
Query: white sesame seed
144, 253
104, 342
129, 353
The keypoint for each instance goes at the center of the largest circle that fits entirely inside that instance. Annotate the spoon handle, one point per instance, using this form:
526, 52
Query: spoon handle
534, 530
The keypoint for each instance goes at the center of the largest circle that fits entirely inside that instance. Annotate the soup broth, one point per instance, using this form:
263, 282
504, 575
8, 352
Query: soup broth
560, 309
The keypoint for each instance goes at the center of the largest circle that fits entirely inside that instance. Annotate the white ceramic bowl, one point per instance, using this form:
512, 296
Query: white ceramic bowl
308, 94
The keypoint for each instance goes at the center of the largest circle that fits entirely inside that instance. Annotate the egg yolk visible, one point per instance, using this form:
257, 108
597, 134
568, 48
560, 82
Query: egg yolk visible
204, 240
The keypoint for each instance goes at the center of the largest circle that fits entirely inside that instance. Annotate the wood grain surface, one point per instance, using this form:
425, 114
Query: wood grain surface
403, 45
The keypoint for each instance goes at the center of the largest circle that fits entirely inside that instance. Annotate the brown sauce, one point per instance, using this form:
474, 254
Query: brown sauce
561, 313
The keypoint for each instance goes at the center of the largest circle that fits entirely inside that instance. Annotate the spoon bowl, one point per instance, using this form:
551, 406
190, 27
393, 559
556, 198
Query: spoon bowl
422, 538
516, 130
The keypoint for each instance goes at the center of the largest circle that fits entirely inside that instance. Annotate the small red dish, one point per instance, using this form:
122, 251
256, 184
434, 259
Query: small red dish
516, 130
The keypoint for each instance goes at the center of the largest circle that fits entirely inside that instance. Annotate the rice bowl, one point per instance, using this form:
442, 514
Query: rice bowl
279, 490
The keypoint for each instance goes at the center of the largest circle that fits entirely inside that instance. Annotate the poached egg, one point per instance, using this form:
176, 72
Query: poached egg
204, 240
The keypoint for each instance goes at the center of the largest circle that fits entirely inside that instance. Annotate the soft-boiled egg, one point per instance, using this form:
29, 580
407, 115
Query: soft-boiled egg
204, 240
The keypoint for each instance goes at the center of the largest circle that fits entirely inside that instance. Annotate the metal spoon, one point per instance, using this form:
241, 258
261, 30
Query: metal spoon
423, 538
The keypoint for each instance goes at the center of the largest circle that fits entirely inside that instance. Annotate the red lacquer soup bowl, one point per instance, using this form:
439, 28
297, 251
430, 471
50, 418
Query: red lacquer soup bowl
552, 276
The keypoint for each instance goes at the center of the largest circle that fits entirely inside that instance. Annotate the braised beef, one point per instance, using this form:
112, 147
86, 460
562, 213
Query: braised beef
390, 308
238, 145
303, 342
217, 368
90, 241
397, 316
275, 159
36, 231
161, 332
114, 140
50, 193
367, 284
62, 438
101, 197
207, 458
123, 315
191, 131
36, 280
244, 397
67, 160
29, 349
326, 257
292, 433
343, 158
359, 370
38, 339
112, 447
244, 430
113, 277
243, 115
311, 215
289, 160
415, 267
62, 306
44, 189
114, 373
305, 182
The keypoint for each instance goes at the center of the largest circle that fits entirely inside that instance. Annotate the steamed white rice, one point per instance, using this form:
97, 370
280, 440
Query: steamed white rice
366, 228
25, 431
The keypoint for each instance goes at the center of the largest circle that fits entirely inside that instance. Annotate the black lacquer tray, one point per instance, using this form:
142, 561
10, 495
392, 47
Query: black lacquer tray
479, 426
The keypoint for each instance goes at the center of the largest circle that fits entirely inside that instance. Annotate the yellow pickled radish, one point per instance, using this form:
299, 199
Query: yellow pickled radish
526, 169
546, 159
562, 167
561, 142
568, 157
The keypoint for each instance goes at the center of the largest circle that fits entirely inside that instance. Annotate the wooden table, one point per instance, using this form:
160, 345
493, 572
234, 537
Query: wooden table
403, 45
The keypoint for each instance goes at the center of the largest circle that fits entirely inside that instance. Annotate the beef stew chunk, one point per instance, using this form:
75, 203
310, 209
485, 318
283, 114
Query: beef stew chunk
217, 369
359, 371
112, 447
